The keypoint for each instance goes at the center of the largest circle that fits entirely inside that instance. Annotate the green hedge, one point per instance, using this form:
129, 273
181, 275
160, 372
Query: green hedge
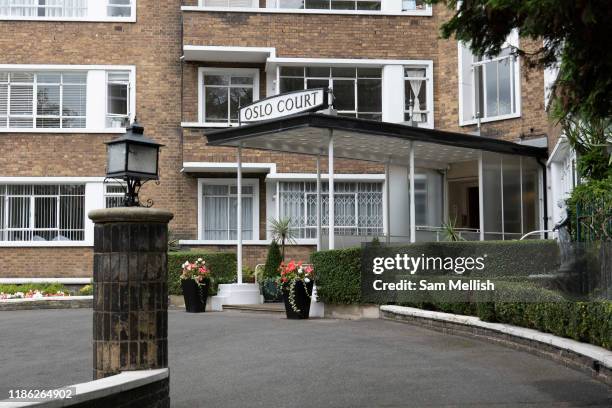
338, 277
221, 264
43, 287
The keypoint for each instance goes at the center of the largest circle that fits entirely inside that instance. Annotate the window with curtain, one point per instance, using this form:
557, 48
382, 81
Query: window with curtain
43, 8
415, 95
42, 212
357, 91
224, 93
117, 99
358, 207
220, 211
43, 99
408, 5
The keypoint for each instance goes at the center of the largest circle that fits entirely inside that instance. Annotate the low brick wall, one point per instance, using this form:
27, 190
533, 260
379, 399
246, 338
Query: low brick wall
592, 360
71, 302
57, 262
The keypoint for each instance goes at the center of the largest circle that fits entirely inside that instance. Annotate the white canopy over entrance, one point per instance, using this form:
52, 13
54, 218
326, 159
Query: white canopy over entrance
508, 177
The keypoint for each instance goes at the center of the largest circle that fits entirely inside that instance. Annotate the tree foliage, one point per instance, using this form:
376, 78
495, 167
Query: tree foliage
574, 34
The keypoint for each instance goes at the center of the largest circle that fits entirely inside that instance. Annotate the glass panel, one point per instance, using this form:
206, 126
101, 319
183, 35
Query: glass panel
242, 80
344, 94
343, 72
239, 97
291, 84
531, 207
369, 72
215, 218
491, 168
22, 99
216, 79
479, 92
45, 212
512, 196
491, 89
342, 5
117, 99
505, 86
142, 159
292, 71
291, 4
48, 97
368, 5
317, 4
48, 78
216, 104
369, 94
211, 189
74, 100
321, 72
317, 83
116, 158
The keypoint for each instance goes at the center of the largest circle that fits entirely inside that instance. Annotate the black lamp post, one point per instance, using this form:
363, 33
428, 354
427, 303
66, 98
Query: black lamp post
134, 159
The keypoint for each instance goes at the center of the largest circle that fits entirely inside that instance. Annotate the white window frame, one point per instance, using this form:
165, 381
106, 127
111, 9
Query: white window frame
223, 71
97, 98
512, 41
254, 182
330, 79
130, 99
96, 12
388, 8
94, 199
429, 89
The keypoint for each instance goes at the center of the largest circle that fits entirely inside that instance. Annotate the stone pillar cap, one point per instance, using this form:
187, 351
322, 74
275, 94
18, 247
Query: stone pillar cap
130, 214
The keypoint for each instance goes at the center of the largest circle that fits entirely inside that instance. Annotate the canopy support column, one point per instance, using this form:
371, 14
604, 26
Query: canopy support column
239, 215
330, 169
387, 204
412, 204
481, 197
318, 202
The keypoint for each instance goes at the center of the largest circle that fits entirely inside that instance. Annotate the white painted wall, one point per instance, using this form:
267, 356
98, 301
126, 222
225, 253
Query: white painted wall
392, 93
94, 199
96, 99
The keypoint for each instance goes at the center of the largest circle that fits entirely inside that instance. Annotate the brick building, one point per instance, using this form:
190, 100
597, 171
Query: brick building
74, 73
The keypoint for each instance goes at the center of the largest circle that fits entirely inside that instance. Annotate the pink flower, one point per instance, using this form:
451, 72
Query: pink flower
309, 269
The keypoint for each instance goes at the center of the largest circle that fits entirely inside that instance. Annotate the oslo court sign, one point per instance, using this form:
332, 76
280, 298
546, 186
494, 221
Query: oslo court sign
285, 104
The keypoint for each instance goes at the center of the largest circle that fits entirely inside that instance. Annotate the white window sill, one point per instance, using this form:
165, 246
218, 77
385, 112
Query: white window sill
426, 13
39, 244
74, 19
207, 125
490, 119
55, 130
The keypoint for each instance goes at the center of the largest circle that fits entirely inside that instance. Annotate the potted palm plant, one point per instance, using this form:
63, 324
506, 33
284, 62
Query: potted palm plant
195, 282
296, 282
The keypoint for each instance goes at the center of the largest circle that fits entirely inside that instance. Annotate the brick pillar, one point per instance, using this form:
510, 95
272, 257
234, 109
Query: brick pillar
130, 319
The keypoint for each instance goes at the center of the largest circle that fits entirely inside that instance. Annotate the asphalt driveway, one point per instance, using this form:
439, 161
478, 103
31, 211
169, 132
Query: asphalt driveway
234, 359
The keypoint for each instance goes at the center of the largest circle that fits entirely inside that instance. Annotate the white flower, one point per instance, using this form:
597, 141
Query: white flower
306, 280
199, 259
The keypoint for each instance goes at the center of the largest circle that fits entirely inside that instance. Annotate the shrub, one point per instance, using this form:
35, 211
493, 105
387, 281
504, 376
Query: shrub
516, 301
43, 287
86, 290
338, 275
273, 260
221, 264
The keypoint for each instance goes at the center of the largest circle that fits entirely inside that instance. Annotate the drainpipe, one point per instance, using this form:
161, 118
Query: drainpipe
544, 195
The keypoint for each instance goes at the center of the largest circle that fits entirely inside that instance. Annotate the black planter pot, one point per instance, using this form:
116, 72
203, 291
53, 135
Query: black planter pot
195, 295
302, 300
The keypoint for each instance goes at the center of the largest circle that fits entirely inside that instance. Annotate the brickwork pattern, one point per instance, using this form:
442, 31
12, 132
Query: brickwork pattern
59, 262
130, 330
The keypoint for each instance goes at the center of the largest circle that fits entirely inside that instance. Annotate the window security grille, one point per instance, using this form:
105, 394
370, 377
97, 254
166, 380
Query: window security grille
43, 8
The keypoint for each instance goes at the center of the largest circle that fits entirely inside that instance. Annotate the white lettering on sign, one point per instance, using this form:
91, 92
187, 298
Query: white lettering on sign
284, 105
